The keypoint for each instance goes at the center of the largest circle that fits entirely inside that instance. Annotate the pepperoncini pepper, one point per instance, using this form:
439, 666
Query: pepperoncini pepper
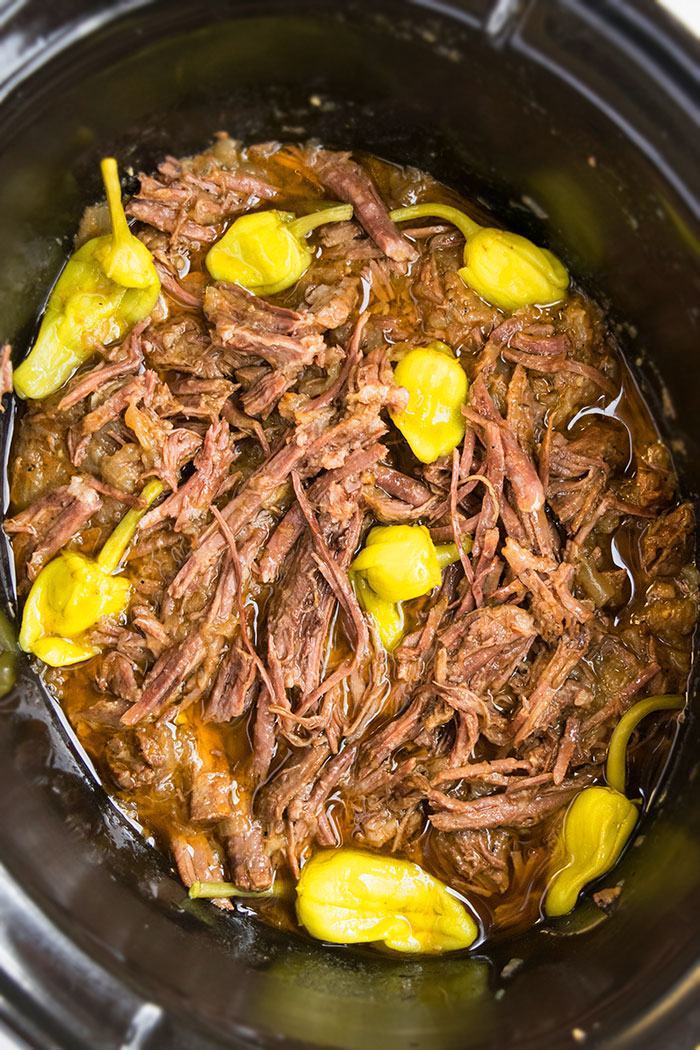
398, 562
73, 592
388, 616
265, 252
510, 271
106, 287
596, 827
350, 896
432, 421
8, 655
600, 820
505, 269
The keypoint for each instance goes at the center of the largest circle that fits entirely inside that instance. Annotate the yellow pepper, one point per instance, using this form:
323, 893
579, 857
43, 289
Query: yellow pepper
388, 616
437, 344
509, 271
265, 252
73, 592
397, 560
504, 268
106, 287
432, 422
596, 827
350, 896
600, 820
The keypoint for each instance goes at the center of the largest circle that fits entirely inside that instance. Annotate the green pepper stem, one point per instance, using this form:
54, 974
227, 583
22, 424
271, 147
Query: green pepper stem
616, 765
227, 889
110, 177
448, 554
306, 223
113, 550
458, 218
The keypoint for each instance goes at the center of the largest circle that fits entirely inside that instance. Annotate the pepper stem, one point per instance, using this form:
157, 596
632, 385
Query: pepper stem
447, 553
110, 177
227, 889
113, 550
616, 765
306, 223
458, 218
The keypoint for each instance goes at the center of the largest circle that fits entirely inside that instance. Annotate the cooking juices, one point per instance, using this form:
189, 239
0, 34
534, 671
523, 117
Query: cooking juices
415, 549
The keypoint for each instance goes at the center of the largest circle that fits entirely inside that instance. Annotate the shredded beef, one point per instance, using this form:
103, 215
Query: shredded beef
666, 542
343, 177
188, 506
5, 372
331, 305
252, 330
54, 520
496, 811
197, 861
128, 359
244, 705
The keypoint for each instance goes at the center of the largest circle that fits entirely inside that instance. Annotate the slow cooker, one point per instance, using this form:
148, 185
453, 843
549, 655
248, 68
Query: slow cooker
577, 123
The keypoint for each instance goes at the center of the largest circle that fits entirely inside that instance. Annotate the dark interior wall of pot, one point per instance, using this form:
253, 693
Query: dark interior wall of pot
605, 182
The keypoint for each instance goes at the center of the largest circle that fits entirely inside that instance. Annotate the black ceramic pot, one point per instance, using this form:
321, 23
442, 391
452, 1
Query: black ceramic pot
577, 123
